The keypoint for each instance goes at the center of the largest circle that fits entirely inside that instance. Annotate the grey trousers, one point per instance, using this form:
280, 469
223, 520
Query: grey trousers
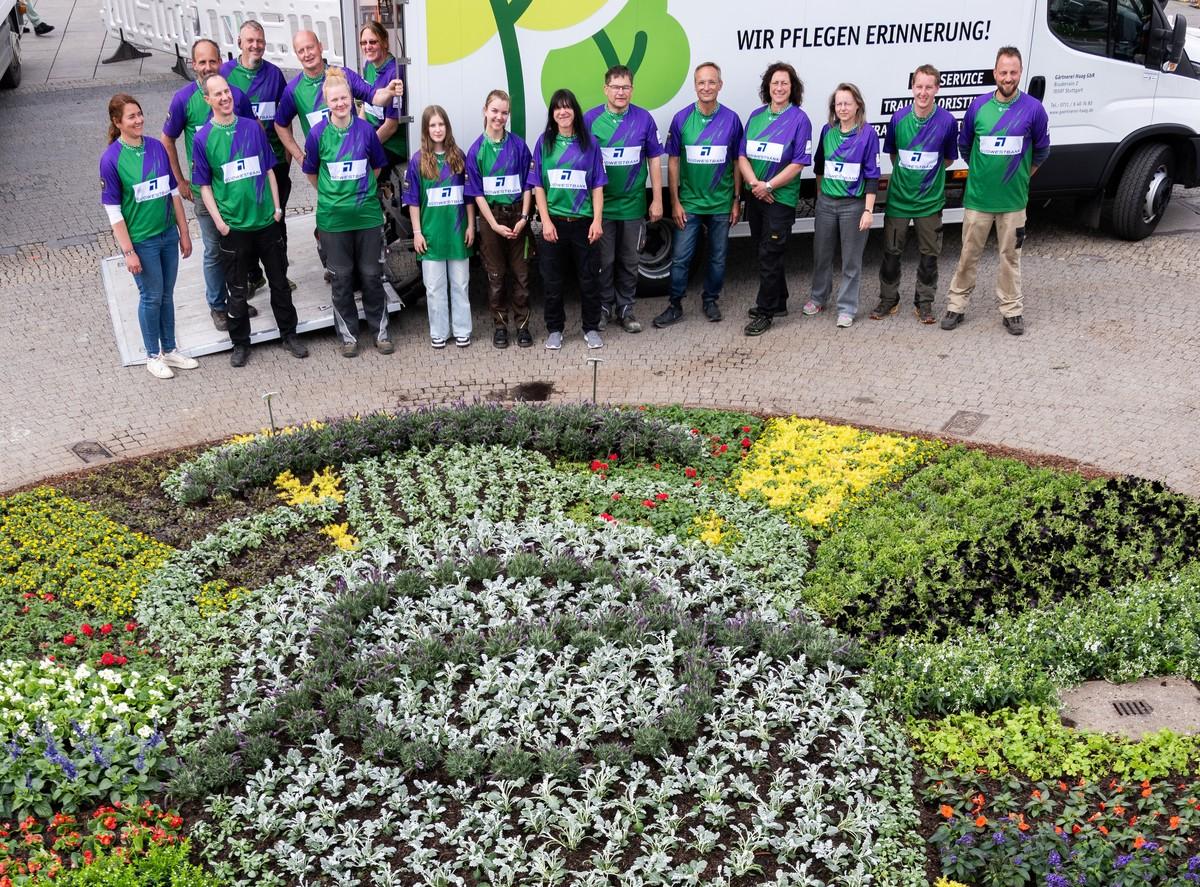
619, 248
836, 222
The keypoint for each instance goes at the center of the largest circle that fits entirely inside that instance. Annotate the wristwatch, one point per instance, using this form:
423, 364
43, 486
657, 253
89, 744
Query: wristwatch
770, 187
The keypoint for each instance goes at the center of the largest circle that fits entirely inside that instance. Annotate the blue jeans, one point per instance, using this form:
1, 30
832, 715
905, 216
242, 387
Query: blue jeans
159, 256
214, 272
683, 247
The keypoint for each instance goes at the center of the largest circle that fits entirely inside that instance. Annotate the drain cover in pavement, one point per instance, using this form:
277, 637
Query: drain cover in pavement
1136, 708
90, 451
533, 391
964, 423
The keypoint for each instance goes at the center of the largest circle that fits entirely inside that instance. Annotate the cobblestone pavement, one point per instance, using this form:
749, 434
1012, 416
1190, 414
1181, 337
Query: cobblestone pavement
1106, 373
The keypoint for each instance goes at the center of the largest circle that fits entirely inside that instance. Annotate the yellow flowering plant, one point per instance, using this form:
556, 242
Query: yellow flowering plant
342, 538
324, 485
812, 470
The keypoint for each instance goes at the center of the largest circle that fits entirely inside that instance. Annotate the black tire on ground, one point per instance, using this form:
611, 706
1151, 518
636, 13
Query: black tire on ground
12, 77
1143, 192
654, 262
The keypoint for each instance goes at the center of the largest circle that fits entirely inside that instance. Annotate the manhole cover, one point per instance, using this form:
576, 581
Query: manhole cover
533, 391
964, 423
90, 451
1133, 708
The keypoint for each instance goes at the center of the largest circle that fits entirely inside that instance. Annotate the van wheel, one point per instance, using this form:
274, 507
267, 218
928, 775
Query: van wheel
654, 261
12, 77
1143, 192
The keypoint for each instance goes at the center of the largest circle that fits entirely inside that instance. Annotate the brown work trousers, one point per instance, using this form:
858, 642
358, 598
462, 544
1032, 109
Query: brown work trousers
506, 261
1010, 235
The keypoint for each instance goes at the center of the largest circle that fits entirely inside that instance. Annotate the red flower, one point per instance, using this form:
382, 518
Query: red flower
110, 822
746, 428
746, 442
104, 840
722, 448
87, 629
106, 628
131, 626
649, 503
606, 516
689, 472
68, 639
108, 658
29, 595
88, 856
597, 465
121, 660
661, 497
616, 497
48, 597
612, 457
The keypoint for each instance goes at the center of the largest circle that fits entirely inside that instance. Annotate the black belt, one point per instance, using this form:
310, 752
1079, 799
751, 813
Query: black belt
569, 218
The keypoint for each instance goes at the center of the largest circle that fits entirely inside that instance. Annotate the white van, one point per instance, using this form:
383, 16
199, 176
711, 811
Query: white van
1122, 96
11, 22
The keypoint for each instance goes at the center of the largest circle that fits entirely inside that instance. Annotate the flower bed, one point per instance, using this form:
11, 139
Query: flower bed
585, 646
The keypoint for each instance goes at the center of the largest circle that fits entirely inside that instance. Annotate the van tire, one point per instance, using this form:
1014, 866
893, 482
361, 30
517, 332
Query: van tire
1144, 191
654, 261
12, 77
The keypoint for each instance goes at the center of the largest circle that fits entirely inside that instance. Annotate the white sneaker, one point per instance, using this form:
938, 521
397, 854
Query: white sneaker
844, 320
179, 360
593, 339
158, 367
554, 341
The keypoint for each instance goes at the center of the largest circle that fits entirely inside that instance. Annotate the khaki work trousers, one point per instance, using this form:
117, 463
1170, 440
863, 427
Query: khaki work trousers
1010, 234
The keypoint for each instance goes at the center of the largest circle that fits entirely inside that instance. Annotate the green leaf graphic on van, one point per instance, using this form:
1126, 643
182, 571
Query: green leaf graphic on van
457, 28
644, 37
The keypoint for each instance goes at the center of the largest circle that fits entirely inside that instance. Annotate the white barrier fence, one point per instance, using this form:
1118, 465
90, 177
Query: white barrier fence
172, 26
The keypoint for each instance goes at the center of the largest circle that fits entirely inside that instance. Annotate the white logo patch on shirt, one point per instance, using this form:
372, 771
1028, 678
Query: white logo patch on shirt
316, 117
1001, 146
444, 195
246, 168
840, 171
624, 156
151, 190
569, 179
920, 160
346, 170
264, 111
713, 155
770, 151
375, 111
501, 186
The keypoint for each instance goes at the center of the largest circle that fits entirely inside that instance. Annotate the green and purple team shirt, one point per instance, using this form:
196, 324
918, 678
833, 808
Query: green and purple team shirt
344, 162
397, 143
140, 181
568, 174
234, 161
496, 171
188, 112
920, 146
627, 143
847, 160
775, 140
264, 87
707, 148
443, 209
1002, 141
304, 96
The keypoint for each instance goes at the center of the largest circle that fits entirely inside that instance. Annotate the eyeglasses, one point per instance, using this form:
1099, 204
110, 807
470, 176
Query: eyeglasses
615, 88
368, 42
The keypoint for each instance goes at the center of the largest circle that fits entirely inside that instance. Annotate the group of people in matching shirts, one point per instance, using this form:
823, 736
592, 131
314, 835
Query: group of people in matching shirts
593, 179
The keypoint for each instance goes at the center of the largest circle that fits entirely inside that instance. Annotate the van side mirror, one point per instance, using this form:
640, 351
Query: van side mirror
1177, 42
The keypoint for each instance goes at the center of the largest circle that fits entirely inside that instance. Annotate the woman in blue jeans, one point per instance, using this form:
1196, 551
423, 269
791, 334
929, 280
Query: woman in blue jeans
847, 170
142, 200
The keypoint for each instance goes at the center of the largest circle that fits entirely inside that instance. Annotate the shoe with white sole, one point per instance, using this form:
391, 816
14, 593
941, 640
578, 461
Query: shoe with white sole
845, 320
593, 339
179, 360
158, 369
553, 341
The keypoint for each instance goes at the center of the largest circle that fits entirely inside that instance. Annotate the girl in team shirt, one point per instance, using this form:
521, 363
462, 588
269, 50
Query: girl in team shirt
568, 182
443, 227
774, 151
141, 196
847, 169
497, 167
379, 70
342, 159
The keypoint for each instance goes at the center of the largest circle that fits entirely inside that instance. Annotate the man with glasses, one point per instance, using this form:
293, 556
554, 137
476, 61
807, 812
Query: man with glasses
702, 148
628, 139
187, 113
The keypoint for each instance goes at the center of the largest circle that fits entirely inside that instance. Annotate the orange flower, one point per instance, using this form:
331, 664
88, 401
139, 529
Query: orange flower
1063, 786
1173, 822
1138, 842
1058, 830
1103, 805
1146, 793
980, 821
1103, 829
946, 810
1076, 829
1119, 810
1036, 794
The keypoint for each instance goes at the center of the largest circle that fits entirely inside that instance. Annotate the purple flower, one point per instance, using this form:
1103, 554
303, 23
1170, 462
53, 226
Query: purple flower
1122, 860
966, 840
1054, 859
1055, 880
1150, 846
1194, 864
998, 838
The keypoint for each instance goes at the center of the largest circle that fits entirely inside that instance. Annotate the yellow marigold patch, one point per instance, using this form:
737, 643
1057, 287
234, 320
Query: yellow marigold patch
324, 484
53, 544
341, 536
217, 596
811, 469
943, 882
266, 432
710, 528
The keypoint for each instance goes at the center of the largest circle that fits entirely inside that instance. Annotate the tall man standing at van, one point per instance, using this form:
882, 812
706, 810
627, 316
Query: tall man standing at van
922, 140
702, 148
1005, 138
188, 112
628, 139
